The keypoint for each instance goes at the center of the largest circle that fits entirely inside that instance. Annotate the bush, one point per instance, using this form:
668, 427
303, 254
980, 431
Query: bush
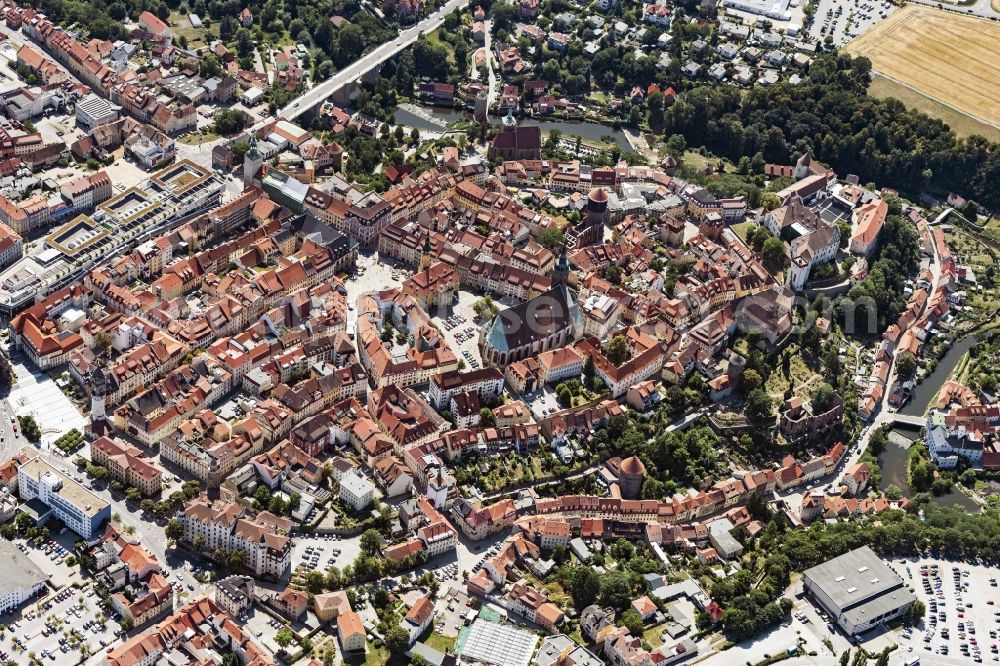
70, 441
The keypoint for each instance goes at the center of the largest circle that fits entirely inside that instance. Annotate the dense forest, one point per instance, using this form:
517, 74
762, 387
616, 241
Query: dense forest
830, 114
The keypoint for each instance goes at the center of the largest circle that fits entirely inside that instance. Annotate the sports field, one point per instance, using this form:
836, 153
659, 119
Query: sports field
950, 58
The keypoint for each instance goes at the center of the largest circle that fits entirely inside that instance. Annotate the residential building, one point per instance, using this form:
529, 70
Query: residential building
227, 526
351, 633
128, 464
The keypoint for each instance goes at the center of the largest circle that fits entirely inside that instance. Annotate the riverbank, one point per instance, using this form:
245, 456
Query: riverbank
927, 390
893, 463
437, 119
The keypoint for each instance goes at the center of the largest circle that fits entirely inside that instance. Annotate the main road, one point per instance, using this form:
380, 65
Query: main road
366, 63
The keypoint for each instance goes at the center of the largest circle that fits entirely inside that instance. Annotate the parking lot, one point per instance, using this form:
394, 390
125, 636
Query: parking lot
462, 332
322, 552
543, 403
962, 620
57, 625
846, 19
64, 624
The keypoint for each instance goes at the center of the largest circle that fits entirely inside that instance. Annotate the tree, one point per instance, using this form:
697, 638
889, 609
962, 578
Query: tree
486, 418
632, 621
877, 440
371, 541
552, 238
284, 637
822, 398
315, 582
276, 505
230, 121
585, 588
773, 253
616, 591
261, 497
102, 341
133, 495
751, 380
174, 529
237, 559
617, 350
210, 66
564, 396
970, 211
199, 542
758, 406
916, 613
906, 364
397, 640
29, 428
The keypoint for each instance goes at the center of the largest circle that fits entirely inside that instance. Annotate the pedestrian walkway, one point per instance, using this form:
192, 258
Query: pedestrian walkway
37, 394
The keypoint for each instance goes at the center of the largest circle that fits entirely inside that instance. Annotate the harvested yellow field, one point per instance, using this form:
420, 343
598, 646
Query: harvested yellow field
948, 57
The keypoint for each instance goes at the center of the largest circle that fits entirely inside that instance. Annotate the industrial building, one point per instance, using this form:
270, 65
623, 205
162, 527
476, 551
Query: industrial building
858, 590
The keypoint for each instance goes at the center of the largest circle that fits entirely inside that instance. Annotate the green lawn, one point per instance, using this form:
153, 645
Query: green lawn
377, 657
435, 39
742, 228
197, 37
652, 635
441, 643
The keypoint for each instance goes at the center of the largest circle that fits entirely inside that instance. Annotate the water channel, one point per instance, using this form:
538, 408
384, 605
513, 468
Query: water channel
587, 131
893, 459
926, 390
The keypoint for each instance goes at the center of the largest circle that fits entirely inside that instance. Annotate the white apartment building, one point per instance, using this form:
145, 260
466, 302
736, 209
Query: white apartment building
487, 382
356, 491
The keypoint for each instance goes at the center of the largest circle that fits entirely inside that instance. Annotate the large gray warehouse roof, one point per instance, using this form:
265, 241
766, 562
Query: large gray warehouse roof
857, 577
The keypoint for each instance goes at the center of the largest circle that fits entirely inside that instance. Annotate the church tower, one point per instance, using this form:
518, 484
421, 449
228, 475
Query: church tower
252, 161
425, 253
560, 272
509, 123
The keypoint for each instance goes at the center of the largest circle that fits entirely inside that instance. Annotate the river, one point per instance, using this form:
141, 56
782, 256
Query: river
594, 132
892, 461
926, 390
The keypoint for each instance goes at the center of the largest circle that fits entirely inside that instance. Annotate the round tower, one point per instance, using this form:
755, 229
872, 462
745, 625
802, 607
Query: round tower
630, 476
597, 206
253, 160
482, 108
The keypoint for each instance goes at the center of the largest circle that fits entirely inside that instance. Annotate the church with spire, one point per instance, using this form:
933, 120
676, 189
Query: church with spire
516, 142
547, 321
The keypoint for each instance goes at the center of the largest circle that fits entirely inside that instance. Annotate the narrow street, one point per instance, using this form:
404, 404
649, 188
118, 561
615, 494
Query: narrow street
885, 413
